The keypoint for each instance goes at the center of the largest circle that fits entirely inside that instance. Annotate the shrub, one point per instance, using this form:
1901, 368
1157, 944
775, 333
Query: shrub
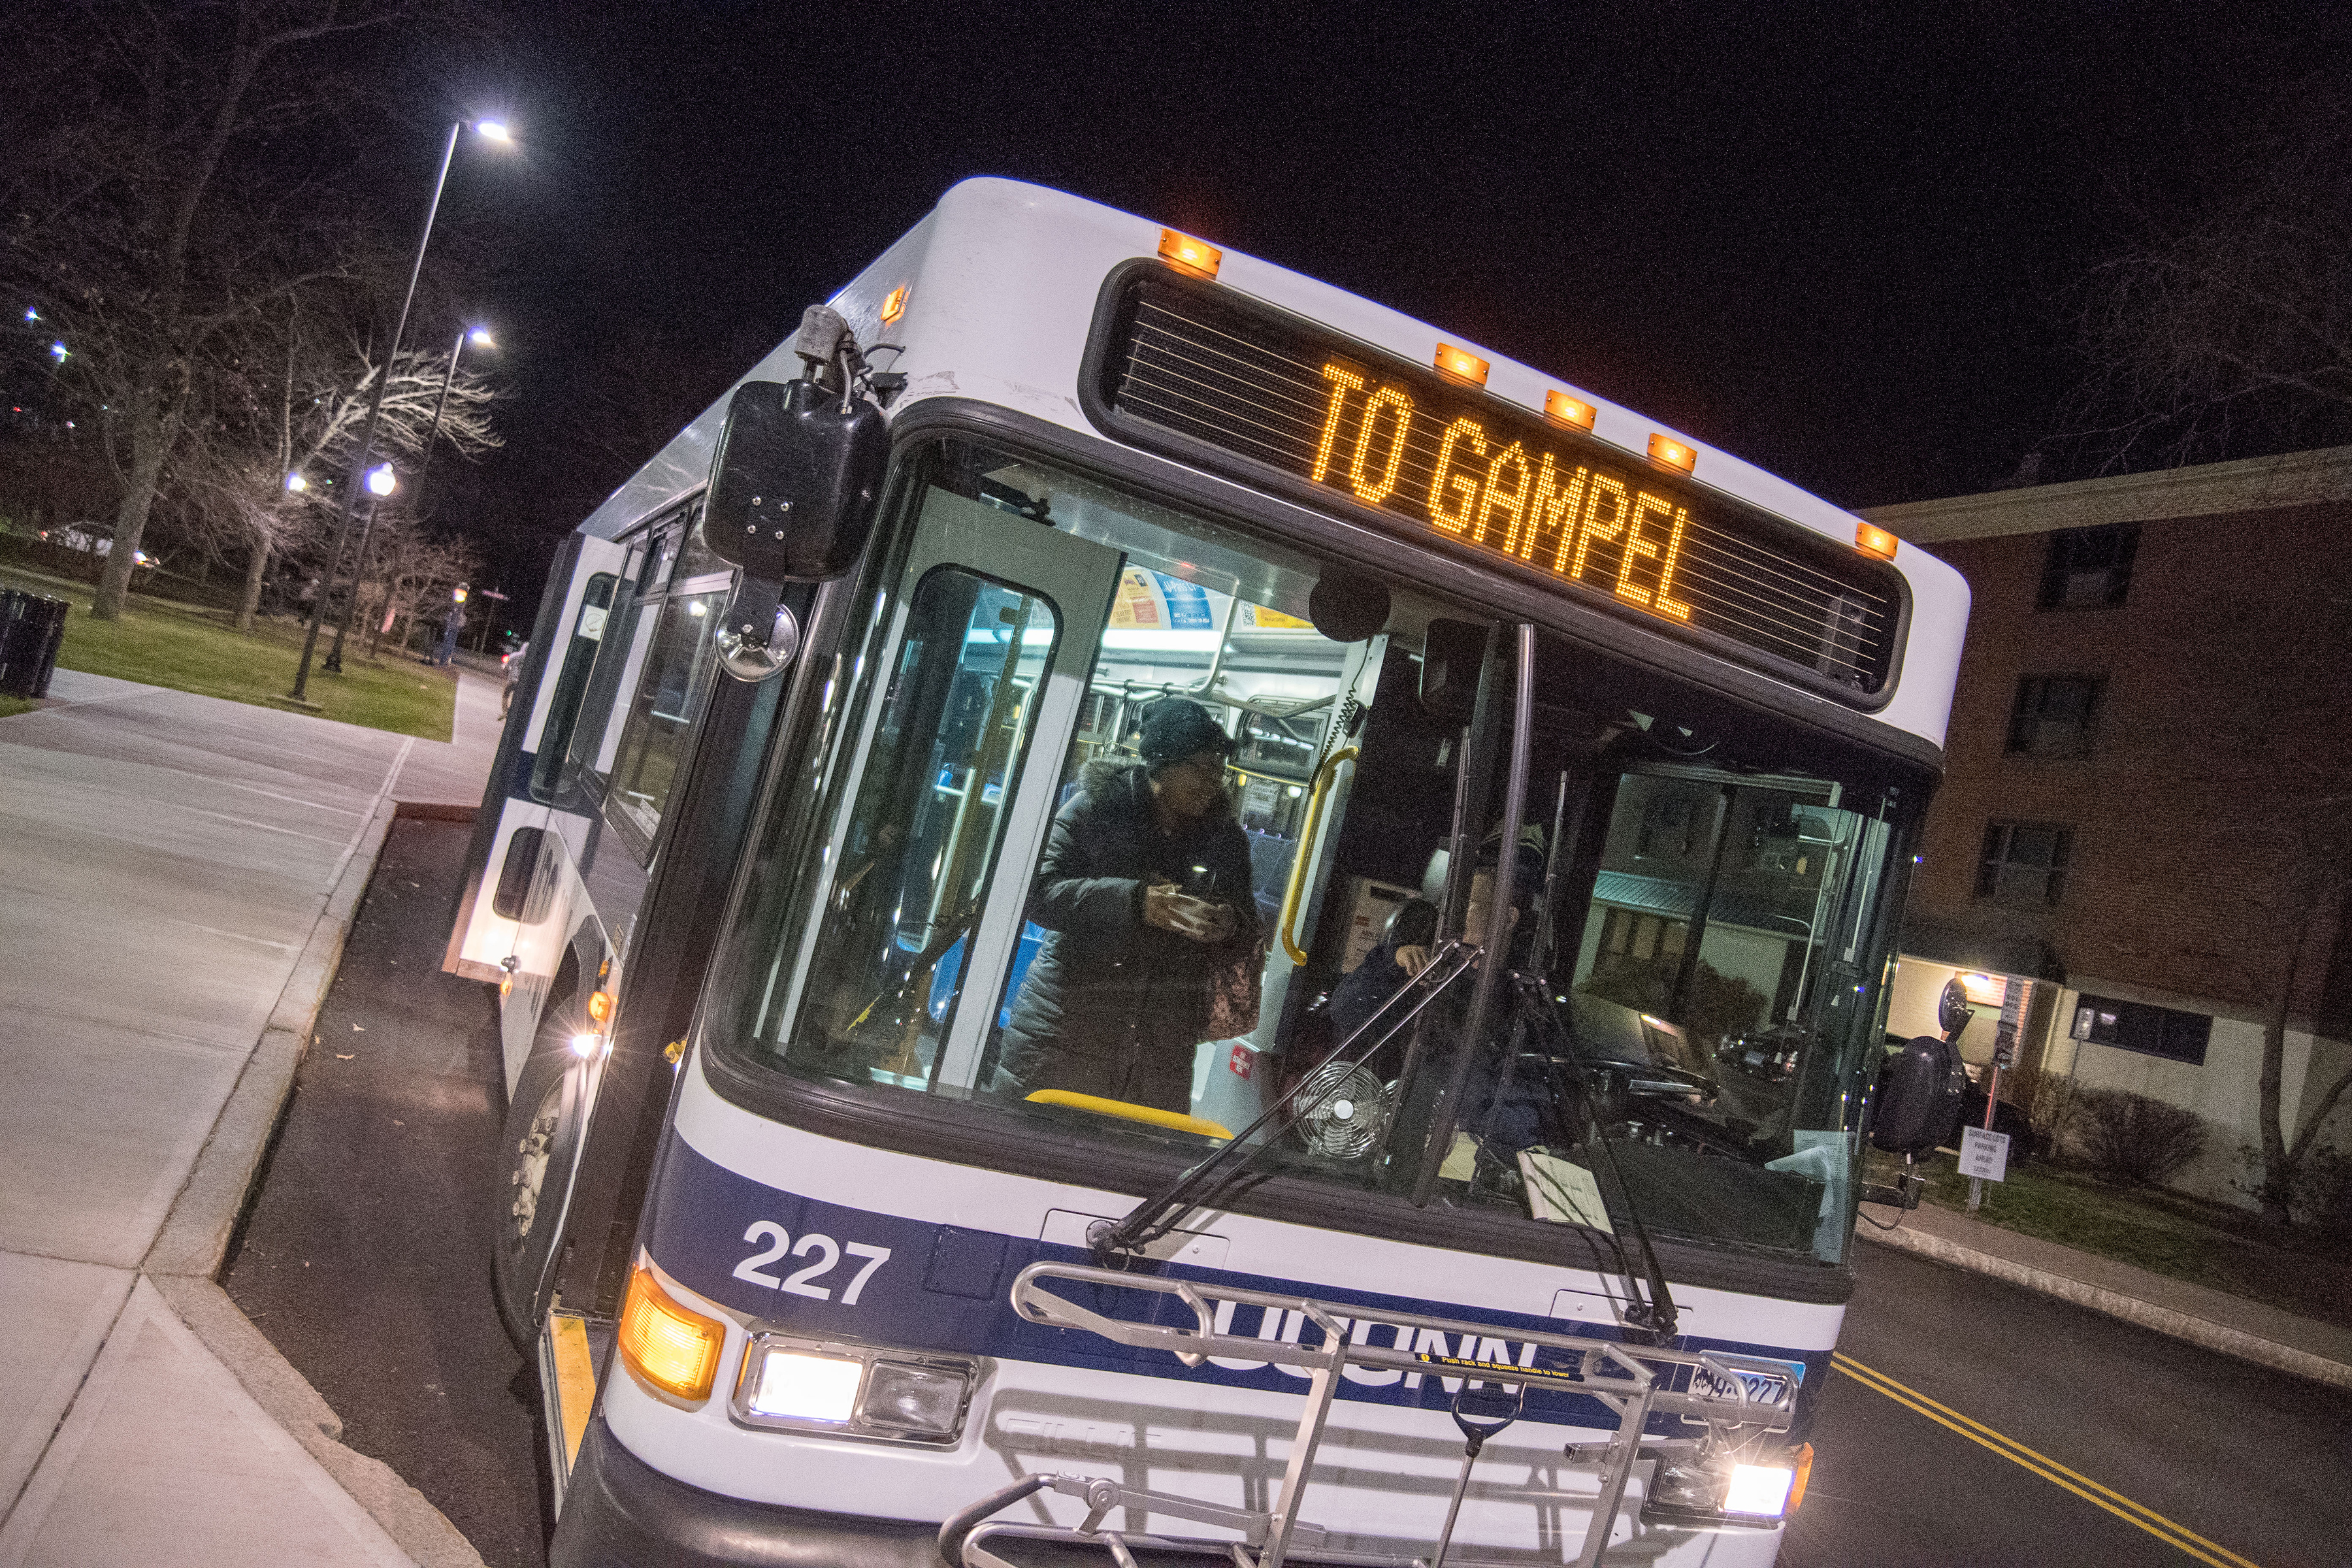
2323, 1192
2129, 1137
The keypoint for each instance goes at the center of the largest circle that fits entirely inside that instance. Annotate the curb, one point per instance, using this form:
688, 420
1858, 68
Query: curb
189, 1250
2203, 1332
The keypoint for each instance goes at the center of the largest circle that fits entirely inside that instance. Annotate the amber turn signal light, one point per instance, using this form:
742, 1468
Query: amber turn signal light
894, 304
1672, 453
666, 1345
1871, 540
1567, 410
599, 1004
1186, 254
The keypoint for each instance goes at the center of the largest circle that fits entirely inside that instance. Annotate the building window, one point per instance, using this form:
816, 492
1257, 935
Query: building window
2053, 715
2089, 568
2025, 863
2136, 1026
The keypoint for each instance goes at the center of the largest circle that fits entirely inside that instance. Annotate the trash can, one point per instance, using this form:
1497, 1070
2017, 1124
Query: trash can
32, 629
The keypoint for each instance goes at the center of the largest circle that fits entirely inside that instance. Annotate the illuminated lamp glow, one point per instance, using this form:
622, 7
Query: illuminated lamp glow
1804, 1474
584, 1043
674, 1349
492, 130
1672, 453
1758, 1490
1871, 540
380, 481
1186, 254
600, 1006
1460, 364
894, 304
1569, 410
806, 1388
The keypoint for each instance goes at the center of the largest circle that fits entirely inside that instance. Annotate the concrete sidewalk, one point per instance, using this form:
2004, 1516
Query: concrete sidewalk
2230, 1325
176, 875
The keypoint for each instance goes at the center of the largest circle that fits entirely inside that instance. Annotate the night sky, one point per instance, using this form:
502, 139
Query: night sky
1834, 239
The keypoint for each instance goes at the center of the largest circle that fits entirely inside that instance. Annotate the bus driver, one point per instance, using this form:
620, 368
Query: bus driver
1144, 889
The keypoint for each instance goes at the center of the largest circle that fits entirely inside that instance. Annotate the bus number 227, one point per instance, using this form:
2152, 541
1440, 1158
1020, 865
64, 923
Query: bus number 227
803, 1281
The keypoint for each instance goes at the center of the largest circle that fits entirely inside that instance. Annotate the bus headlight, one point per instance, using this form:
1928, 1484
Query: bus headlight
1697, 1488
854, 1390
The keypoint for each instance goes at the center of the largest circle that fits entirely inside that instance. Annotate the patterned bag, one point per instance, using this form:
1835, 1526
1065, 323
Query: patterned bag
1234, 990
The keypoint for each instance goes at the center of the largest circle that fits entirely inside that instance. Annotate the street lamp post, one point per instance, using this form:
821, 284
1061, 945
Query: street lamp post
495, 132
367, 527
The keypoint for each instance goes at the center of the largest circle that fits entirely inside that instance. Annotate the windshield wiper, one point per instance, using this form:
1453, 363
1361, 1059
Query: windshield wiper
1537, 1006
1226, 1165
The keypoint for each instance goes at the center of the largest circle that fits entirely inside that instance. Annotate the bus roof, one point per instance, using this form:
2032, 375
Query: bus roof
995, 299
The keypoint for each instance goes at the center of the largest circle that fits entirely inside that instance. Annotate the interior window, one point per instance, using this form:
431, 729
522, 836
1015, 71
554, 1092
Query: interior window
680, 660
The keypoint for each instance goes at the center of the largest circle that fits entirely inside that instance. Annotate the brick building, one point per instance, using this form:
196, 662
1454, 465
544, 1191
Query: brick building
2149, 785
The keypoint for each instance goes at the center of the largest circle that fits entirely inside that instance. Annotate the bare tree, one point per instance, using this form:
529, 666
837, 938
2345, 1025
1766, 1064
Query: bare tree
2224, 327
151, 204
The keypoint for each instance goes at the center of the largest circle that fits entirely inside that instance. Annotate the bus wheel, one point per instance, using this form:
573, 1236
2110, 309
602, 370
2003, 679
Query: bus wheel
536, 1155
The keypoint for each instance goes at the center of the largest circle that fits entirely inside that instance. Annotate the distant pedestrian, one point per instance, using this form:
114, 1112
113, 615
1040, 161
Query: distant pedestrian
451, 624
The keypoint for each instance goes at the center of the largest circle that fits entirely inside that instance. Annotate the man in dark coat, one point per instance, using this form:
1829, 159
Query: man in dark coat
1144, 889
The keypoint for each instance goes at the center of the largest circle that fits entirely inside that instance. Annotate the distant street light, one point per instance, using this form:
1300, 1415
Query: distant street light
59, 350
489, 131
380, 481
297, 483
358, 571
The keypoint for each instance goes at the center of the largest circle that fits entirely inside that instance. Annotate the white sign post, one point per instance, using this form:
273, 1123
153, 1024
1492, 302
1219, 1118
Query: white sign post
1984, 1156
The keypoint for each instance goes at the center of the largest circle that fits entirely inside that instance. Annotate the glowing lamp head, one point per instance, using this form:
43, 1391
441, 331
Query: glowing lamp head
379, 480
585, 1044
1559, 406
894, 304
493, 131
1673, 453
600, 1006
480, 336
1460, 364
297, 483
1871, 540
458, 594
1186, 254
60, 351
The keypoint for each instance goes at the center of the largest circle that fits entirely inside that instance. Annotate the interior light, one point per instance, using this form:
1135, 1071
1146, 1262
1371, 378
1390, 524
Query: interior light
806, 1388
1462, 364
667, 1346
1871, 540
696, 607
1759, 1490
1189, 255
1672, 453
894, 303
1570, 410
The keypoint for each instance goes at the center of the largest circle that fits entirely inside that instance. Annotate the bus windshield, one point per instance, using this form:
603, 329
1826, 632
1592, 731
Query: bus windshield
1108, 844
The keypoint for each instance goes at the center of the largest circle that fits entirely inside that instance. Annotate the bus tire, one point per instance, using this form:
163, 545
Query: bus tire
545, 1117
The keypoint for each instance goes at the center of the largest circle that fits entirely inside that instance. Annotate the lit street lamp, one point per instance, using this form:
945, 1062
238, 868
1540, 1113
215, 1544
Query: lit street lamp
492, 130
367, 529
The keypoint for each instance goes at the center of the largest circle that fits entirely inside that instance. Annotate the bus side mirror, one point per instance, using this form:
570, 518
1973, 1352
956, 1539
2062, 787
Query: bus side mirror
794, 488
796, 481
1917, 1103
1452, 653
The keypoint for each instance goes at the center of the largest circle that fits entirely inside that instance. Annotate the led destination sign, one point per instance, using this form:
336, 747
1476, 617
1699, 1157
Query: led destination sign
1189, 366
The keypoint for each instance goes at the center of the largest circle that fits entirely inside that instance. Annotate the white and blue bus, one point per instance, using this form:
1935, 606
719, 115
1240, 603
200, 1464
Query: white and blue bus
1486, 1188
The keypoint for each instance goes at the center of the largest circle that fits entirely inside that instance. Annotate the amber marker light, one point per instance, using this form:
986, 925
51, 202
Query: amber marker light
600, 1006
1189, 255
1567, 410
1460, 364
666, 1345
1672, 453
1796, 1487
894, 304
1871, 540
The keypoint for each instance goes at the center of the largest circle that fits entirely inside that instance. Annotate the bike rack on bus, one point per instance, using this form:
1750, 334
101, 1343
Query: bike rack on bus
1635, 1381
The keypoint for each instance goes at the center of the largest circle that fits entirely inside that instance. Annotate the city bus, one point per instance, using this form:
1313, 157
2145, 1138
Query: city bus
1470, 820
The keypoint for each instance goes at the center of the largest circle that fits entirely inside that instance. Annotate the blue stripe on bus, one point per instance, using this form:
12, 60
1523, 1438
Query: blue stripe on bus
944, 1288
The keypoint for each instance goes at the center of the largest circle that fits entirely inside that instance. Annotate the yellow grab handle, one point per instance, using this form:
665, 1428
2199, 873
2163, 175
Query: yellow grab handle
1127, 1110
1293, 896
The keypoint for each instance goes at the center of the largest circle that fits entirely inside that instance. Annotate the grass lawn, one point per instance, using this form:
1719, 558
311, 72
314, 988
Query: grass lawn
192, 649
15, 705
2209, 1243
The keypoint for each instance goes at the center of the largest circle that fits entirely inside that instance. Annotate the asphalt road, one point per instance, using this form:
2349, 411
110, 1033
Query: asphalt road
366, 1256
2241, 1464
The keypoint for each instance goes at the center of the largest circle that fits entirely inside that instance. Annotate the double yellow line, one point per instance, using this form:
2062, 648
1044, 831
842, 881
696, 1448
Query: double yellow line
2041, 1464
